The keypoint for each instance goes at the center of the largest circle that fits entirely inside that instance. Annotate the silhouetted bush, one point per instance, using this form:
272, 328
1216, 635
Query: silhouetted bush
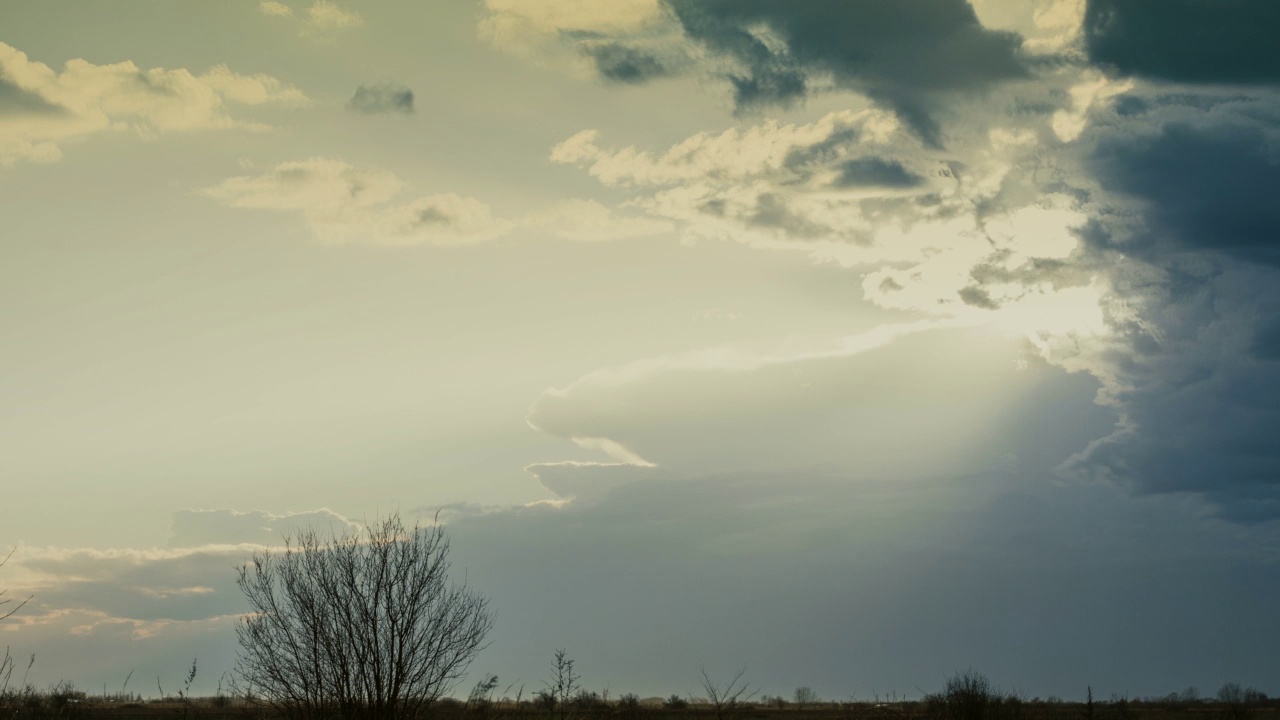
971, 696
675, 702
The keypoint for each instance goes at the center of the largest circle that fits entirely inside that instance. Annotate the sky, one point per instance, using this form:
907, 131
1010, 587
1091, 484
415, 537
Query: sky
855, 343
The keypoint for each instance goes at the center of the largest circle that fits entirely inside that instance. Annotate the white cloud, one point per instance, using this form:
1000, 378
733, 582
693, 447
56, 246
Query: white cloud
898, 402
274, 9
251, 89
1049, 26
345, 204
733, 155
85, 99
855, 188
536, 29
326, 16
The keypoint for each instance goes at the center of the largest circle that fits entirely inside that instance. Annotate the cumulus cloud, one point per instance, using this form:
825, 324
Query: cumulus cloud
382, 99
857, 189
812, 186
345, 204
42, 109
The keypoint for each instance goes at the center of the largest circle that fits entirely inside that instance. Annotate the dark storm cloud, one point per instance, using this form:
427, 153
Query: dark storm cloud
380, 99
1187, 41
1178, 186
1208, 188
839, 581
899, 52
1213, 434
851, 585
1188, 185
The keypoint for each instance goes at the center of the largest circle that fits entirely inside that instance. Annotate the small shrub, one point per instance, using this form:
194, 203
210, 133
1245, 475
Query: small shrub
967, 696
544, 700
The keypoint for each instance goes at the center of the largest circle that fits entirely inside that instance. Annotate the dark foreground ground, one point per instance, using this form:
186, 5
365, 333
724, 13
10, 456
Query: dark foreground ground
53, 708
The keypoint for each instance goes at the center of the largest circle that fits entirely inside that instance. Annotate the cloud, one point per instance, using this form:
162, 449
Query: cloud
1051, 28
324, 16
876, 172
42, 109
956, 569
856, 189
274, 9
625, 64
908, 56
625, 41
137, 585
97, 614
812, 186
897, 52
1123, 228
196, 528
345, 204
382, 99
1205, 187
1213, 42
1173, 185
900, 402
586, 483
590, 221
321, 20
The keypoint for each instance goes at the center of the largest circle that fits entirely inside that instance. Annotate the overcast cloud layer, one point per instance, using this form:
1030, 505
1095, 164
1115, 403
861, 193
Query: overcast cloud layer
856, 342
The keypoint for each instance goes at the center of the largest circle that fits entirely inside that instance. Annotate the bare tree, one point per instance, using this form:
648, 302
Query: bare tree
6, 611
361, 625
727, 699
1237, 702
6, 660
804, 696
563, 683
